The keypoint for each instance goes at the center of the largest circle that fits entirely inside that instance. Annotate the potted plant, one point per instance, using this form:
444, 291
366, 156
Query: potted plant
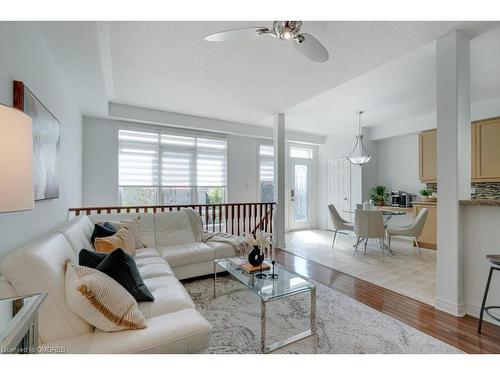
426, 196
379, 195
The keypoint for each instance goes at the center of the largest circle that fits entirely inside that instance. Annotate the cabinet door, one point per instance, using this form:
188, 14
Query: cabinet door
487, 150
428, 161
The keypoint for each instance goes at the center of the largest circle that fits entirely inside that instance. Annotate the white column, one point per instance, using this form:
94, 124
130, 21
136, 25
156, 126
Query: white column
453, 165
279, 180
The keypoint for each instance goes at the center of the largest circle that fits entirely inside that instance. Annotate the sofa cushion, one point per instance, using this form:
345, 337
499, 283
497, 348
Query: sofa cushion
40, 267
76, 232
169, 295
148, 271
222, 249
102, 230
146, 253
185, 331
180, 255
100, 300
146, 224
173, 228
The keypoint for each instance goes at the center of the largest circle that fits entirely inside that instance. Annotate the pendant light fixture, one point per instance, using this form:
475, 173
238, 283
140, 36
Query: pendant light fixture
359, 156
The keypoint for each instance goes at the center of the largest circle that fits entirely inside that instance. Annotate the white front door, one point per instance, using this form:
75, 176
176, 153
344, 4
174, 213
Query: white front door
338, 177
300, 193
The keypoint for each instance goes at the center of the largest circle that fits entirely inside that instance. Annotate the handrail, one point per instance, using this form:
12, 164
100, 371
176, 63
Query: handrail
233, 218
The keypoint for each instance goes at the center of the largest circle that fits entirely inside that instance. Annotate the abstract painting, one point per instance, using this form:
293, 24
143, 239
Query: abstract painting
46, 140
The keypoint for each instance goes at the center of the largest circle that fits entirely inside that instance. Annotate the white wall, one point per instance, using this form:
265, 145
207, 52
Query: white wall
25, 57
100, 164
398, 163
481, 236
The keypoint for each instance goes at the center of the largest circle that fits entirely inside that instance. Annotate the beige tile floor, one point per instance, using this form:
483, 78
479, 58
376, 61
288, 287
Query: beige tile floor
405, 272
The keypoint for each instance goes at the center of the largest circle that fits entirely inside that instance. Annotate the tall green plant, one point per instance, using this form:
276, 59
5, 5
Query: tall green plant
379, 194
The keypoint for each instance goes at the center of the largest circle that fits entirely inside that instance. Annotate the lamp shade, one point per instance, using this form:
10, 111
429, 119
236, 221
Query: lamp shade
16, 160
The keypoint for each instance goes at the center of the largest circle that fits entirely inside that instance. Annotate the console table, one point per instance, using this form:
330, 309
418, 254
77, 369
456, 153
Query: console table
19, 324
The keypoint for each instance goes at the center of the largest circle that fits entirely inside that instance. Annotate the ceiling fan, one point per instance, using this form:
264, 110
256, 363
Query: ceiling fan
305, 43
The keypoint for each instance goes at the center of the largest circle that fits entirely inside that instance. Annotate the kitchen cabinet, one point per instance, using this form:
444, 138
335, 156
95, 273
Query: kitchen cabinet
486, 150
428, 237
427, 156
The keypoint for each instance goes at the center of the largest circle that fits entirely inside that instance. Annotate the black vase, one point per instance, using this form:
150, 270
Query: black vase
255, 258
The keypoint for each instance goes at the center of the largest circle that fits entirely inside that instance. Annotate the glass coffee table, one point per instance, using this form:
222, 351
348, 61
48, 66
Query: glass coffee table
287, 284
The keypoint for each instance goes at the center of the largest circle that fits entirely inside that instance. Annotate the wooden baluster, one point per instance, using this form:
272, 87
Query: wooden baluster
220, 218
271, 219
244, 217
232, 219
200, 211
178, 208
261, 206
237, 219
77, 212
266, 222
206, 217
226, 217
213, 218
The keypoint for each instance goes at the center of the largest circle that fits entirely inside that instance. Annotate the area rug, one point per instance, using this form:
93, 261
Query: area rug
343, 324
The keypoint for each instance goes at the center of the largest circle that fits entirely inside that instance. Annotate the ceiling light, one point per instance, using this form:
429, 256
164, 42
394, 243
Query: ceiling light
359, 156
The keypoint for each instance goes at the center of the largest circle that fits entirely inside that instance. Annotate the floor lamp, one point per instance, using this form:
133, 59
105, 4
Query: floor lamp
16, 160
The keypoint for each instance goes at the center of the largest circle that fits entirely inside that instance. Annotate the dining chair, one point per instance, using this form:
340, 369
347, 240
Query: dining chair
369, 224
414, 230
338, 222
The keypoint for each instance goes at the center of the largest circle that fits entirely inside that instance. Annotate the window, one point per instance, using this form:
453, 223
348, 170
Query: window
157, 168
266, 172
301, 152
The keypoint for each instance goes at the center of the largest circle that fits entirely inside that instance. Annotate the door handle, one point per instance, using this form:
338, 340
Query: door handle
292, 195
345, 199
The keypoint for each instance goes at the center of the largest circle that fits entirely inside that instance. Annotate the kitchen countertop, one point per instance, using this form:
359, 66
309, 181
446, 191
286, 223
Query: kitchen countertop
425, 203
395, 208
481, 202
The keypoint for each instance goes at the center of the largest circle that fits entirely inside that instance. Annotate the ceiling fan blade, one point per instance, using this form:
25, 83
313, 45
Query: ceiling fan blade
311, 48
236, 35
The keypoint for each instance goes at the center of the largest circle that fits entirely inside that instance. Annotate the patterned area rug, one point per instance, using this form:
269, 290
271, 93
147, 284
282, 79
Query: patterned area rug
343, 324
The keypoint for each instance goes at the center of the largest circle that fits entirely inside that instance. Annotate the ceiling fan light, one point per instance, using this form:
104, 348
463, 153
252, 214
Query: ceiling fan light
287, 35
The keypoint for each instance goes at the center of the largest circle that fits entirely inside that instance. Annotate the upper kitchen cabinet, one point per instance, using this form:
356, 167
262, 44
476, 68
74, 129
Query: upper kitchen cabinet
486, 150
427, 155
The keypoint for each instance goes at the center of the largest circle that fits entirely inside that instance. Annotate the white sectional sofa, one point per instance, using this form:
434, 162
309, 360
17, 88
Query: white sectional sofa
172, 253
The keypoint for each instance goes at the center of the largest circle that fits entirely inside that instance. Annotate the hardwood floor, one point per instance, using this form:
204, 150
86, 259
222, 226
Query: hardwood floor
459, 332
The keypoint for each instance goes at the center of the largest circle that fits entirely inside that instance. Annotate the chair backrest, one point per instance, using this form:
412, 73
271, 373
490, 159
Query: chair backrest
369, 224
419, 222
337, 220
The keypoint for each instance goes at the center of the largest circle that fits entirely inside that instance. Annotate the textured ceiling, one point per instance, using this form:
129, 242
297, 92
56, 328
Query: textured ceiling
168, 65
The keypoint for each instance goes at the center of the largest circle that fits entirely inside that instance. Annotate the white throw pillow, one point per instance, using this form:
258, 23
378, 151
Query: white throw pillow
100, 300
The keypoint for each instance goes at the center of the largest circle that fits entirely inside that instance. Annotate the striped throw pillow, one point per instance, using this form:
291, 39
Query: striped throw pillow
100, 300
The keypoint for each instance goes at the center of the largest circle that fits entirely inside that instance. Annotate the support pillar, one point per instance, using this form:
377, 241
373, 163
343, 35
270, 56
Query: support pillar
279, 180
453, 166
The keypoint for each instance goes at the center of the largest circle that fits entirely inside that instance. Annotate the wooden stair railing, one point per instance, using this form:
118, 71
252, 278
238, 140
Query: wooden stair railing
232, 218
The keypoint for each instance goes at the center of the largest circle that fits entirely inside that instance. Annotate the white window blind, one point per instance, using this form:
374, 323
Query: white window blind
139, 157
266, 153
266, 172
183, 169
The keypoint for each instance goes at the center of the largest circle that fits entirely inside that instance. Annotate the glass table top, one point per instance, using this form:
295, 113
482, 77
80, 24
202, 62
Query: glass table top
384, 212
287, 283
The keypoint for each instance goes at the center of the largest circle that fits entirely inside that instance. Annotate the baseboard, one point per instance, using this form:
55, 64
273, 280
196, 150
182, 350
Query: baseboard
450, 307
474, 310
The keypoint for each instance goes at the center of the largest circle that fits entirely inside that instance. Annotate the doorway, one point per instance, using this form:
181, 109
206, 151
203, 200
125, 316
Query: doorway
300, 193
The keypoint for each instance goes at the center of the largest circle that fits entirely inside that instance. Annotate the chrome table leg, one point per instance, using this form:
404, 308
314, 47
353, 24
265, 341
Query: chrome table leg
263, 326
